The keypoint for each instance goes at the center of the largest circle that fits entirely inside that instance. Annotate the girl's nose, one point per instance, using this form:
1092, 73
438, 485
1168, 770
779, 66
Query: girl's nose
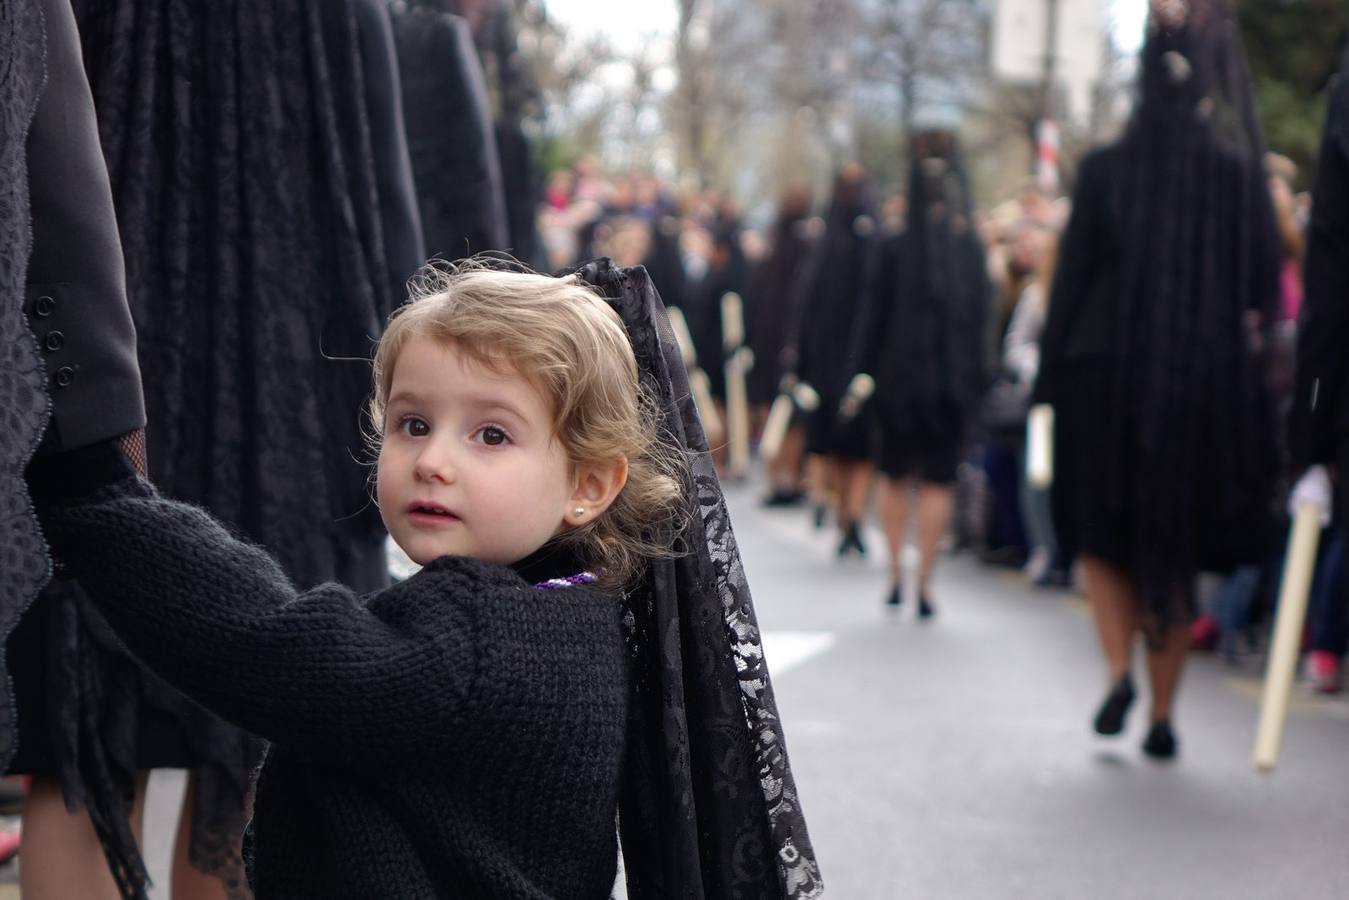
435, 462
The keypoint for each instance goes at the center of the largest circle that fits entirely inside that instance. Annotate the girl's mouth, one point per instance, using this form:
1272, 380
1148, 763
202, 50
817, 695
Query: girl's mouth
433, 514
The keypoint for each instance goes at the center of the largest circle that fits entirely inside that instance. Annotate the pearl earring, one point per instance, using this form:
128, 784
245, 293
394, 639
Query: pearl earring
580, 510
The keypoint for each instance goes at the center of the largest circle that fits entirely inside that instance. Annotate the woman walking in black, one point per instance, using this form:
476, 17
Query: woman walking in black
922, 342
1168, 270
838, 445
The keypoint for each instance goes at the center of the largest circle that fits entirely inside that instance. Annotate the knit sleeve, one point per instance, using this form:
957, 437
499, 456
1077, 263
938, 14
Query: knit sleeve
217, 618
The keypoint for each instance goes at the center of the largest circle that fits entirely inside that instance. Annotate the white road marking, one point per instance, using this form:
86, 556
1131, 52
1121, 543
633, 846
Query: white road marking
786, 650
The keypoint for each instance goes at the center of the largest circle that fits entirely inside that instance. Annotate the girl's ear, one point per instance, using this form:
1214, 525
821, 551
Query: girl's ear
597, 484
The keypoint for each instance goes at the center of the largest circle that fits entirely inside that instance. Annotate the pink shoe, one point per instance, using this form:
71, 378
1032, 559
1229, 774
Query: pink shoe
1323, 667
1204, 633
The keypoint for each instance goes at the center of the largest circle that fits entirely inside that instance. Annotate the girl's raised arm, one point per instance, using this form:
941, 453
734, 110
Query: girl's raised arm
217, 618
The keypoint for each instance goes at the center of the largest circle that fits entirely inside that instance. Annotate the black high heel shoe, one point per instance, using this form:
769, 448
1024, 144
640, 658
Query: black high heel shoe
895, 597
1110, 717
852, 541
1161, 741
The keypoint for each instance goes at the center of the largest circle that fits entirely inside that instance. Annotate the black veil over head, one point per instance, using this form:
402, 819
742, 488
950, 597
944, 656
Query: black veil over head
1198, 278
708, 806
852, 197
941, 240
939, 190
939, 295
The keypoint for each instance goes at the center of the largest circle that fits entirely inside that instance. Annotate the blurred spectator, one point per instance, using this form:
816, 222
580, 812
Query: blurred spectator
772, 322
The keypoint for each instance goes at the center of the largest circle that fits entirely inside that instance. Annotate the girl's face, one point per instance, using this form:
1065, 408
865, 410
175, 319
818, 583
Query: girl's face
469, 465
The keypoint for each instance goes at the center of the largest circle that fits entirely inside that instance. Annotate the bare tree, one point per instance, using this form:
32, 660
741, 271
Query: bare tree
933, 52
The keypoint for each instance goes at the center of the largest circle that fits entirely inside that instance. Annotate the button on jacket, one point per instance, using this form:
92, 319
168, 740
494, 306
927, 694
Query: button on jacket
75, 297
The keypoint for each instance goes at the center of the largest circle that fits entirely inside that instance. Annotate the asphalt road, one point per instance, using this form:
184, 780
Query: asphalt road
955, 759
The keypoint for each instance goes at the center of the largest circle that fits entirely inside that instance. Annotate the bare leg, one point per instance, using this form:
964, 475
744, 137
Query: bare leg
895, 521
1115, 608
1164, 669
820, 483
785, 471
61, 857
854, 489
935, 504
721, 450
188, 882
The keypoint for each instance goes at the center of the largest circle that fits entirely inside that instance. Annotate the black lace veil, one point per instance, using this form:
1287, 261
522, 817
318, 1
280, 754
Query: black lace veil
709, 807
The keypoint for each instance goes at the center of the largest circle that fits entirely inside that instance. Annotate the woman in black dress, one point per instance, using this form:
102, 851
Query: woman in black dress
839, 445
922, 341
1168, 270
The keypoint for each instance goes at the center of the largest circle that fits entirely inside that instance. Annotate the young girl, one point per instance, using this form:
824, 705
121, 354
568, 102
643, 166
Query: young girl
460, 733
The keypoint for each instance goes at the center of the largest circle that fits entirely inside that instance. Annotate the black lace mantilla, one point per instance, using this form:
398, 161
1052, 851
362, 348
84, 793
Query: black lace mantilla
24, 563
709, 805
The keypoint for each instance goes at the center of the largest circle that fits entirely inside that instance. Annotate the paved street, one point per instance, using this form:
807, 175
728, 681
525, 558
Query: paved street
954, 759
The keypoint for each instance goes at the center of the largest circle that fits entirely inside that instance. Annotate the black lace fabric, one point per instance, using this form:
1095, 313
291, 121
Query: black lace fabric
239, 150
709, 806
24, 563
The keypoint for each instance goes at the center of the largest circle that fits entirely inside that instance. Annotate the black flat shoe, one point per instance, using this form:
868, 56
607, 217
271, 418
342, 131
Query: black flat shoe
1161, 741
820, 513
895, 598
1110, 717
925, 609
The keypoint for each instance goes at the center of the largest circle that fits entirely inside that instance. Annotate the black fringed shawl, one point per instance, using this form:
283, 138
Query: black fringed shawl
708, 806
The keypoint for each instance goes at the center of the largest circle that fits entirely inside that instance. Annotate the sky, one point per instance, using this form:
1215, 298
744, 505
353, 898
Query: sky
627, 21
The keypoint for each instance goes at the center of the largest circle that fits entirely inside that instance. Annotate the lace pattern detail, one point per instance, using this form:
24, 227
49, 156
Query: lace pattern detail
733, 825
25, 564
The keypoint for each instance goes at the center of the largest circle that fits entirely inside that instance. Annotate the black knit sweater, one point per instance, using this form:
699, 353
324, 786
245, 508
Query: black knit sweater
456, 735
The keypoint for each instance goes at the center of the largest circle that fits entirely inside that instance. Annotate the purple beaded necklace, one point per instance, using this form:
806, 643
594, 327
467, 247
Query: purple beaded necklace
554, 584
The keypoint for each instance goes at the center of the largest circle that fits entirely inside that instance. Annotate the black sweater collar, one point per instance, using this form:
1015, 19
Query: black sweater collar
552, 560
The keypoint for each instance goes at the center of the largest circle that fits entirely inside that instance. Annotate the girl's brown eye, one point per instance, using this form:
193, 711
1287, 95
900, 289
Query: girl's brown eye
414, 427
493, 436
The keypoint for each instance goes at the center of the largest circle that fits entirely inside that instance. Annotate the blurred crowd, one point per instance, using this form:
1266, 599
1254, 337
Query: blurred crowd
698, 246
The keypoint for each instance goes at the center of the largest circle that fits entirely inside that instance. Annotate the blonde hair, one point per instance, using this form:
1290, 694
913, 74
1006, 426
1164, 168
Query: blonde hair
567, 340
